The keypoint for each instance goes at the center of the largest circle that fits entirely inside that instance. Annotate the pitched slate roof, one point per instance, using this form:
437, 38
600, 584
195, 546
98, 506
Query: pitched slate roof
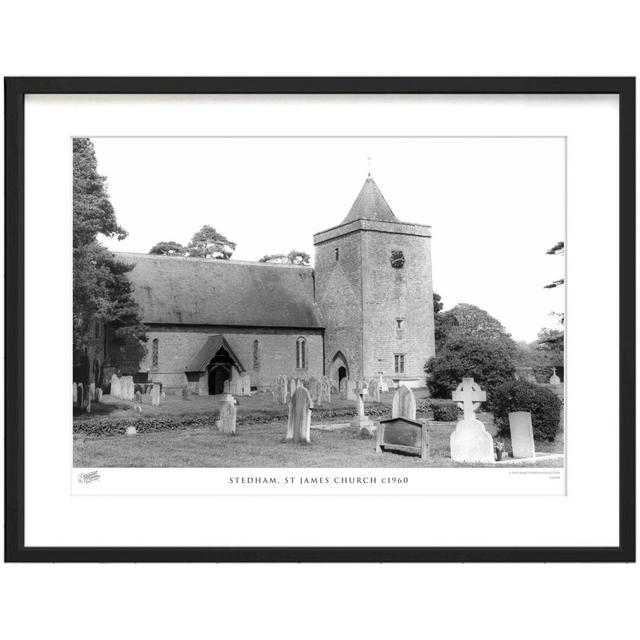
210, 348
177, 290
370, 205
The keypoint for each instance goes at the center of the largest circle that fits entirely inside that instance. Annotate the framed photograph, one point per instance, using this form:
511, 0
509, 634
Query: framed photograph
320, 319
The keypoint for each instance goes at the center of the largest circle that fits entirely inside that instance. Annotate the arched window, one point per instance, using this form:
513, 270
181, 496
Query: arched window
154, 353
301, 353
256, 355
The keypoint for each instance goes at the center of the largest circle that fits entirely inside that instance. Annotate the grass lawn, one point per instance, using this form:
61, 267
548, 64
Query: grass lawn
256, 445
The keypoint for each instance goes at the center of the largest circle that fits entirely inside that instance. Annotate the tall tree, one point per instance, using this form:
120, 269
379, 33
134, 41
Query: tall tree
293, 257
101, 291
467, 320
209, 243
169, 248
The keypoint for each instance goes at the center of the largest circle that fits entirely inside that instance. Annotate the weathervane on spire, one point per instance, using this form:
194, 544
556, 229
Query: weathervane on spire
369, 163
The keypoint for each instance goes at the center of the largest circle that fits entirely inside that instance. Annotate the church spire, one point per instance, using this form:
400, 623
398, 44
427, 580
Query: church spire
370, 204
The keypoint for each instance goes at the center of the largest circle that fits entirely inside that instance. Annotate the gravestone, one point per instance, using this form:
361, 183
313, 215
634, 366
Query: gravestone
521, 434
115, 390
315, 390
281, 389
126, 387
155, 395
137, 397
362, 422
131, 431
88, 396
75, 393
92, 390
403, 435
226, 387
384, 387
404, 404
99, 394
245, 384
227, 421
325, 389
351, 390
80, 395
186, 394
343, 389
554, 379
299, 425
374, 390
292, 387
470, 442
235, 386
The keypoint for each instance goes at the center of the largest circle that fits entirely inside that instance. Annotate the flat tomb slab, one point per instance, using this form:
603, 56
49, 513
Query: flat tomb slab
403, 435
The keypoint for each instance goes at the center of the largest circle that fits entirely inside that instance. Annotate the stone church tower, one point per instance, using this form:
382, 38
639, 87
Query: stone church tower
375, 293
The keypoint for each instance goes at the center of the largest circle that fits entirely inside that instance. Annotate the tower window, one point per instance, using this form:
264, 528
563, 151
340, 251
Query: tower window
301, 353
400, 322
154, 353
256, 355
337, 253
399, 362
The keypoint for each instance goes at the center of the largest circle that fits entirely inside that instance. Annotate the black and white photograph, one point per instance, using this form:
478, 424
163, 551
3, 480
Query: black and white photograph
319, 302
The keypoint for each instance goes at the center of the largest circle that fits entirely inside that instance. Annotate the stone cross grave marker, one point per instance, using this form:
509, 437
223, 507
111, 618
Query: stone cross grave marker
470, 442
554, 379
363, 423
404, 404
374, 390
299, 425
227, 420
521, 434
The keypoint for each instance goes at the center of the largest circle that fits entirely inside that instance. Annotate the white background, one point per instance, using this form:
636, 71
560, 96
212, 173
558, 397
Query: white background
53, 517
473, 192
456, 38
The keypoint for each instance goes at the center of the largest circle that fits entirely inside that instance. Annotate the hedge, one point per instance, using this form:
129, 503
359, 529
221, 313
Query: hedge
149, 424
543, 404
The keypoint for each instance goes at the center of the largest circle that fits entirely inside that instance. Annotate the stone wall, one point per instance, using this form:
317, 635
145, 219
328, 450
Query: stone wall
361, 296
276, 353
339, 296
391, 294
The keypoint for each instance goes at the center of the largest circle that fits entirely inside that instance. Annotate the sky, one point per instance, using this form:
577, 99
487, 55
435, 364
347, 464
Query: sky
495, 205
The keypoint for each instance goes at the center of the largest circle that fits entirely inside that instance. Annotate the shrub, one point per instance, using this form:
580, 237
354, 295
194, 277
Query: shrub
488, 362
545, 407
446, 413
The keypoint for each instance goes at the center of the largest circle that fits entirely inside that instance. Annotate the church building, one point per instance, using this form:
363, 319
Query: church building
364, 309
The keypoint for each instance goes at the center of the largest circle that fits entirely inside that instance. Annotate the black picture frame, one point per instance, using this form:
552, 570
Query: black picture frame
15, 91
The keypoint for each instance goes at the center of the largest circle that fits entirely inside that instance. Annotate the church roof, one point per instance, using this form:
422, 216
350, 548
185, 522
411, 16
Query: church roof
198, 291
370, 205
210, 348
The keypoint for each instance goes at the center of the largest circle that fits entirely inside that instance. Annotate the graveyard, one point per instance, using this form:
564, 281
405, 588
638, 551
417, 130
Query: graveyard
257, 430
